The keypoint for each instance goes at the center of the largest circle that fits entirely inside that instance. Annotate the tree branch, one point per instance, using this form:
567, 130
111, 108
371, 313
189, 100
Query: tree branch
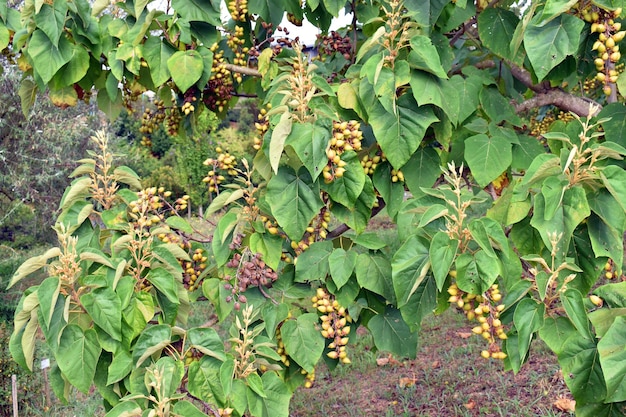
546, 94
243, 70
565, 101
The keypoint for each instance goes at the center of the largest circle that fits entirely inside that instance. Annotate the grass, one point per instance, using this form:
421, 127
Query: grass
448, 378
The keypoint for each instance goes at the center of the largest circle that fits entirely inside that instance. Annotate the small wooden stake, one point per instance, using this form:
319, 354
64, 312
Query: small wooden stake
14, 393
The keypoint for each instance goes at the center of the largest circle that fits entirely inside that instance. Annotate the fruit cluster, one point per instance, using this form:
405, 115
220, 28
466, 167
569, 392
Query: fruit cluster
335, 327
369, 163
150, 121
225, 162
280, 348
347, 136
192, 269
219, 89
261, 127
485, 309
173, 119
397, 175
238, 10
609, 35
192, 355
251, 272
334, 43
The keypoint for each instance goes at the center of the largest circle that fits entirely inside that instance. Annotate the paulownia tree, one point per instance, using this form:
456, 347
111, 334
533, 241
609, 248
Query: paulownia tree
491, 133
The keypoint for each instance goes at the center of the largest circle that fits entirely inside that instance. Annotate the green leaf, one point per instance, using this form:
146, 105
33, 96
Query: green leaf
409, 267
28, 95
120, 367
614, 124
334, 6
399, 134
477, 272
151, 341
606, 240
186, 68
498, 108
256, 384
358, 215
548, 44
187, 409
424, 56
268, 245
443, 93
204, 380
105, 309
33, 264
373, 272
167, 373
582, 371
156, 53
5, 36
125, 409
207, 341
78, 355
614, 179
392, 334
614, 295
51, 20
346, 189
425, 168
487, 157
48, 58
280, 133
303, 341
442, 252
496, 27
528, 318
294, 201
341, 265
574, 306
222, 237
553, 189
198, 11
179, 223
602, 319
165, 282
312, 264
310, 142
573, 210
214, 290
48, 293
555, 332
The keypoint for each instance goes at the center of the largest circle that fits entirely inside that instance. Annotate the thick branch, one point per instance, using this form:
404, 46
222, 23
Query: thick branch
546, 94
243, 70
562, 100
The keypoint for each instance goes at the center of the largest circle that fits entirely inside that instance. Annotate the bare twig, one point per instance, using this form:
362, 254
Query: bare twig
243, 70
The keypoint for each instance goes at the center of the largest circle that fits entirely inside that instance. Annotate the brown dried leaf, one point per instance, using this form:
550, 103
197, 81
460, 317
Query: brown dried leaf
382, 361
435, 364
407, 382
470, 404
464, 335
565, 404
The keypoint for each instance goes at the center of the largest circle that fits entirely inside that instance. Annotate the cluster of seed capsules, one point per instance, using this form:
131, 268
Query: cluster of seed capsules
251, 272
224, 162
609, 35
148, 209
193, 269
261, 127
238, 10
485, 309
150, 121
347, 136
335, 319
219, 89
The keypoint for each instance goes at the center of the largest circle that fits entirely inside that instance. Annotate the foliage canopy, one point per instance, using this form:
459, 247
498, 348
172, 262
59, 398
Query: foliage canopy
437, 111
